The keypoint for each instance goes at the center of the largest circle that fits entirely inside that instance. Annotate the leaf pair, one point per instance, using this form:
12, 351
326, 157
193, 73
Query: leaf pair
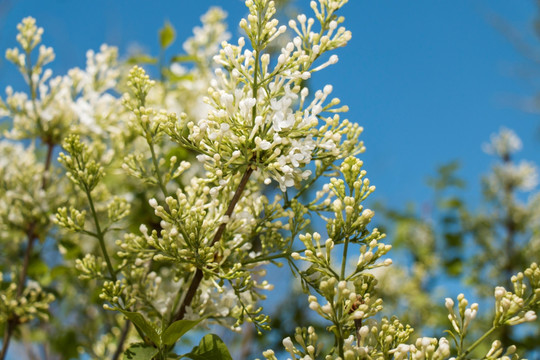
210, 347
169, 336
155, 341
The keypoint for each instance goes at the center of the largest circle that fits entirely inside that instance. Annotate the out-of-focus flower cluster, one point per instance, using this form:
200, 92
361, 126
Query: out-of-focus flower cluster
22, 307
522, 175
57, 106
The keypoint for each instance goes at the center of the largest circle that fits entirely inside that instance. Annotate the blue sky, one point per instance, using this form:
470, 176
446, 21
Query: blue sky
428, 80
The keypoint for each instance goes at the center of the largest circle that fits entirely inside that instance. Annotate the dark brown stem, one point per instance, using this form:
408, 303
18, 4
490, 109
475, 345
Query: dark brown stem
26, 262
32, 237
50, 148
219, 233
10, 326
123, 337
358, 326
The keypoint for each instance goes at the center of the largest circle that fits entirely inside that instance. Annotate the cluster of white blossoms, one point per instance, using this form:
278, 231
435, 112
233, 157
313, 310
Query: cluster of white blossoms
503, 144
423, 348
207, 39
78, 101
189, 75
522, 175
262, 114
94, 104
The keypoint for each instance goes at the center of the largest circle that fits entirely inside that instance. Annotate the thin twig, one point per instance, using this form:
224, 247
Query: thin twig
10, 326
123, 337
100, 236
219, 233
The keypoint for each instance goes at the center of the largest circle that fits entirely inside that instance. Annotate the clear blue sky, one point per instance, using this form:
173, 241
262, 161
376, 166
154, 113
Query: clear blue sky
428, 80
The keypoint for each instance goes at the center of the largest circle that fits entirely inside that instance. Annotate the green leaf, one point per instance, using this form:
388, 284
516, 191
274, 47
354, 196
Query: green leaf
59, 271
210, 347
140, 351
453, 239
176, 78
66, 343
177, 329
183, 58
166, 35
37, 268
141, 59
143, 325
454, 266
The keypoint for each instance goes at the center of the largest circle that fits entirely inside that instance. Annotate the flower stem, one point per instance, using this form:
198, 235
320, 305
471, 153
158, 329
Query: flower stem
10, 327
192, 290
156, 169
123, 337
344, 258
100, 236
476, 343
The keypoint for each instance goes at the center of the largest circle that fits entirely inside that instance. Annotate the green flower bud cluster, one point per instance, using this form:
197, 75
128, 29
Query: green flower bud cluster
91, 267
345, 306
348, 299
83, 170
350, 218
520, 306
149, 124
118, 209
33, 302
510, 309
117, 294
325, 14
75, 221
188, 221
140, 84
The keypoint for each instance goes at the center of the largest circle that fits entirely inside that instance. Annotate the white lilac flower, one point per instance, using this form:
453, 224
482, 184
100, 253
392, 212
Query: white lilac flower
503, 144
